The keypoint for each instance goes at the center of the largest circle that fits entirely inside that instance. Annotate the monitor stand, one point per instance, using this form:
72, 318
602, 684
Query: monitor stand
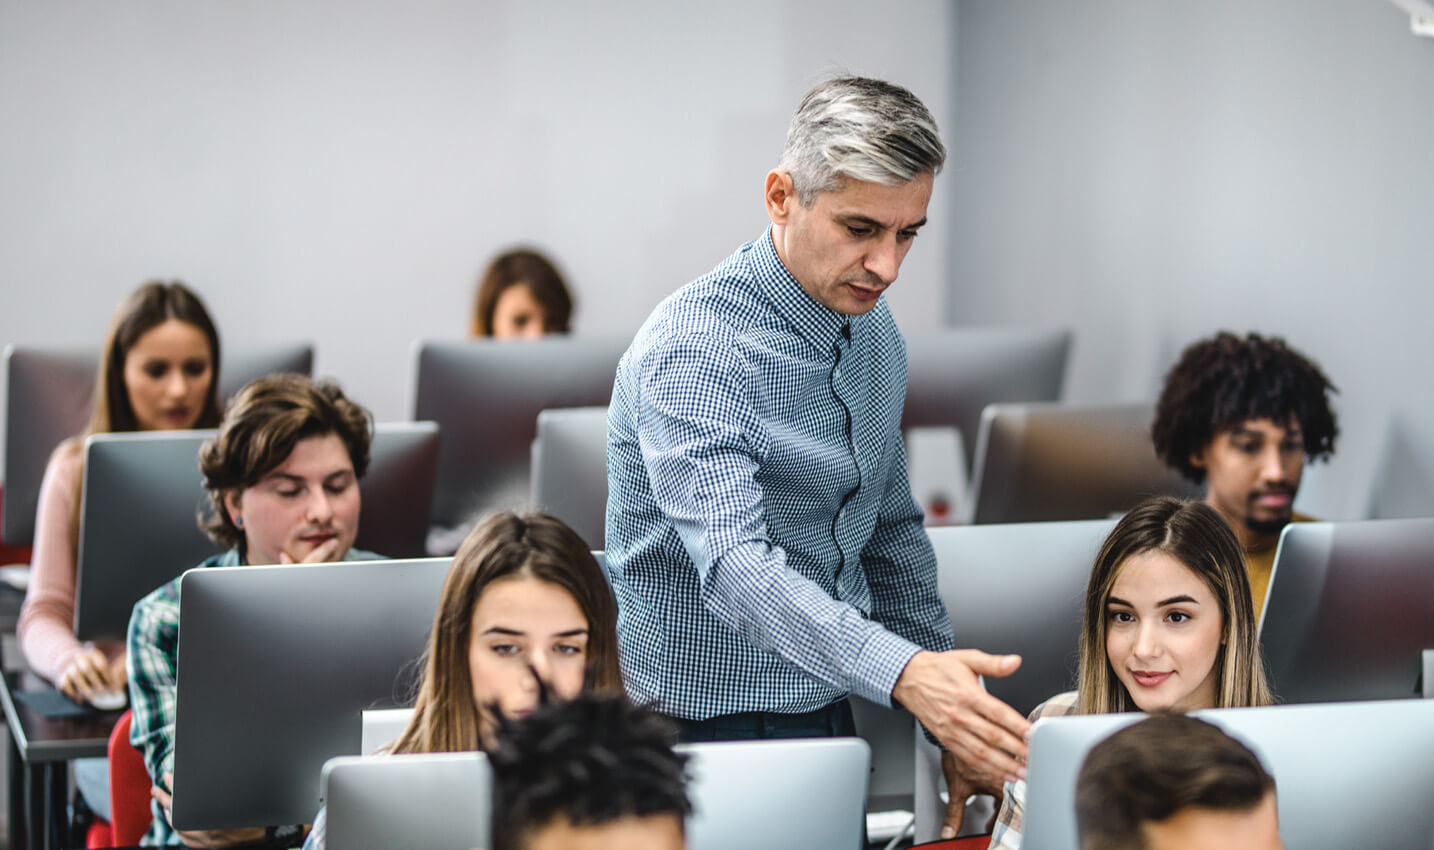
1429, 673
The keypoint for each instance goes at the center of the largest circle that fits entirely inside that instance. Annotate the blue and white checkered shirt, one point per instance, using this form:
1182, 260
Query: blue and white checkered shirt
762, 540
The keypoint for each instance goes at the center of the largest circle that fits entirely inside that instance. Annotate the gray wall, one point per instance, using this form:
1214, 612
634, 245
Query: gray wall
1152, 172
340, 170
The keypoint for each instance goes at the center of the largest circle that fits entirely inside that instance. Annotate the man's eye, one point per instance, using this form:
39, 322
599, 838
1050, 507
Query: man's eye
857, 231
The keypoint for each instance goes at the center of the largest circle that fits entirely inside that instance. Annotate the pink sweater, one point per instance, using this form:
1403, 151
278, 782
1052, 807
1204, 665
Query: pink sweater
47, 621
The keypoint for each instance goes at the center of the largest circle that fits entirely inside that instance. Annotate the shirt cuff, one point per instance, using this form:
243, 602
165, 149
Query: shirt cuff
879, 665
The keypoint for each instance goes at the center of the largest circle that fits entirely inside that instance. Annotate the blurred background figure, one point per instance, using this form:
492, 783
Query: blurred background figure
521, 296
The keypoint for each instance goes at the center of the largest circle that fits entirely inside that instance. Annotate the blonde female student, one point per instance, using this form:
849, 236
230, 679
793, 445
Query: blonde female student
1169, 626
159, 370
524, 596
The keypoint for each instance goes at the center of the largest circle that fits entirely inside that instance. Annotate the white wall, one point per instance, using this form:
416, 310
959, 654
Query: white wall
1151, 172
340, 170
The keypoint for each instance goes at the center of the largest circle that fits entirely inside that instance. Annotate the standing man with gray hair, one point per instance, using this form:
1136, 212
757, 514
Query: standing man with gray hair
766, 553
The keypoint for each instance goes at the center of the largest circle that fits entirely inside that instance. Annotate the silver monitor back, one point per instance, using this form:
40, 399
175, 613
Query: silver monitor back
1346, 775
776, 795
486, 395
428, 801
143, 494
1052, 462
757, 795
48, 395
1020, 588
953, 373
276, 665
1350, 610
570, 469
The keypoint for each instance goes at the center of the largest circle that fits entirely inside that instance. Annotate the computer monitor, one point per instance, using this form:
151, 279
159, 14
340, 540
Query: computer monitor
756, 795
953, 373
143, 493
776, 795
1350, 610
486, 394
1346, 775
1020, 588
276, 665
438, 800
1052, 462
48, 396
1011, 588
570, 469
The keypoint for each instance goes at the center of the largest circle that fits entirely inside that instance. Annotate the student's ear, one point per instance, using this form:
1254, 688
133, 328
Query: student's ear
1197, 459
780, 194
231, 507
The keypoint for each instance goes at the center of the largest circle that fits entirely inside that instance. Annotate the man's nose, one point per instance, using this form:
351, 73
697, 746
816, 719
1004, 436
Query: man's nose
884, 259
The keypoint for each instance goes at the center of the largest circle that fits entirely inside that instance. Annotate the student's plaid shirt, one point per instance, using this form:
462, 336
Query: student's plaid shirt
762, 540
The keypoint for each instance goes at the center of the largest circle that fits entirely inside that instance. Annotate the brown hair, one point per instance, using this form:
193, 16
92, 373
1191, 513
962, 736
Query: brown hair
1151, 770
504, 545
528, 267
1194, 534
149, 306
261, 426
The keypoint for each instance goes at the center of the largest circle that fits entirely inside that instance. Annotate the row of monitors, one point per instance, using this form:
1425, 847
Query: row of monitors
486, 396
311, 647
1035, 462
781, 794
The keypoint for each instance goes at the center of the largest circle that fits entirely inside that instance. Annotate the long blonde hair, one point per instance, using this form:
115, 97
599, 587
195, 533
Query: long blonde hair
1197, 536
505, 545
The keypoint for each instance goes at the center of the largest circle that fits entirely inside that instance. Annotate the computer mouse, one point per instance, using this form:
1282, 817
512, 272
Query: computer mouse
108, 700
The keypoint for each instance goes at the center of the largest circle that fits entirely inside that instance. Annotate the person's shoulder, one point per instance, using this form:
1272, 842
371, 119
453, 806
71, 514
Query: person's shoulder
67, 460
1057, 706
1299, 517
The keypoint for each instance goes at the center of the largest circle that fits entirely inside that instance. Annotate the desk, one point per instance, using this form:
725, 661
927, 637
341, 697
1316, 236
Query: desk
40, 751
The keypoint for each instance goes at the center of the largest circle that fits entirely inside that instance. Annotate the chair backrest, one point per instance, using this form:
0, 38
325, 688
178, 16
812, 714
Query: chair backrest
1053, 462
570, 469
129, 788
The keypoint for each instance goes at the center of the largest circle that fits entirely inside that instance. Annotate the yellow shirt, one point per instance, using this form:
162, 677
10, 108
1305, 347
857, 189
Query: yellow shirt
1259, 565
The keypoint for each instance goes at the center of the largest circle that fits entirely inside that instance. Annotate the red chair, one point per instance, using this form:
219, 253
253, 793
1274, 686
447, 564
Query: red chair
970, 842
129, 793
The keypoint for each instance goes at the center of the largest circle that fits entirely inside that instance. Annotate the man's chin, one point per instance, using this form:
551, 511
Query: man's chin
1269, 526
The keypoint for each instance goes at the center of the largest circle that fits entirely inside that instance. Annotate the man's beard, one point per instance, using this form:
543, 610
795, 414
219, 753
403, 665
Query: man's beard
1269, 527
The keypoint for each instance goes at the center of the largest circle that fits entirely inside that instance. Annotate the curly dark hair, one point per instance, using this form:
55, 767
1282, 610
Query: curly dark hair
590, 760
1220, 382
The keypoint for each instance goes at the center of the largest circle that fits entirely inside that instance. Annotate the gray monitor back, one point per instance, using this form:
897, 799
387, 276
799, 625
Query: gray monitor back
570, 469
143, 493
777, 795
276, 665
757, 795
1350, 610
486, 394
429, 801
48, 394
1346, 775
1020, 588
953, 373
1051, 462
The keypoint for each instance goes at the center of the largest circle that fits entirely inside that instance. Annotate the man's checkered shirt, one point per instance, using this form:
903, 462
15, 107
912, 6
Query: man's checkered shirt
762, 540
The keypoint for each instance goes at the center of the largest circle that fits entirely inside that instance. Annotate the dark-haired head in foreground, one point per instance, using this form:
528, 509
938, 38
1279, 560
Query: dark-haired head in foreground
1172, 781
592, 772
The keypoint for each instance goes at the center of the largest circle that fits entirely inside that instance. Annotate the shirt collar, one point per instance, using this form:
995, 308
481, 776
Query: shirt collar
815, 322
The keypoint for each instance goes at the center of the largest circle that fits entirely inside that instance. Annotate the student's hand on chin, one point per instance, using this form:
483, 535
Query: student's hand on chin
204, 838
320, 554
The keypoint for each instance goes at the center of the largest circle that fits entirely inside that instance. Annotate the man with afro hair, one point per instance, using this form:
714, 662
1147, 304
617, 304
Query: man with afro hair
1242, 415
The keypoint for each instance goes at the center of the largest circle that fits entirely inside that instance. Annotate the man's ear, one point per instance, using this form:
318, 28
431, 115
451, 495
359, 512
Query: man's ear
780, 195
1197, 459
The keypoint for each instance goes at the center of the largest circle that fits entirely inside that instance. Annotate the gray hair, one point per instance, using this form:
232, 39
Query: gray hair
863, 129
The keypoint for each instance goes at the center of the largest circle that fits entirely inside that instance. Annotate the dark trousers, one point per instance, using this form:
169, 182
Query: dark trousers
833, 721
